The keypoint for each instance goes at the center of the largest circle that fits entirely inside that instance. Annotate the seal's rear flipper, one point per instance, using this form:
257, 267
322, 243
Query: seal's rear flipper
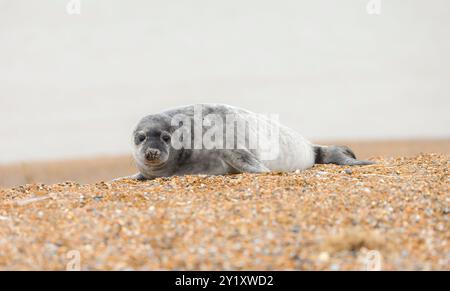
339, 155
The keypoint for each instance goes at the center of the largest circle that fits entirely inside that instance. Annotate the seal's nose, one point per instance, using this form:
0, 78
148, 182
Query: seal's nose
152, 154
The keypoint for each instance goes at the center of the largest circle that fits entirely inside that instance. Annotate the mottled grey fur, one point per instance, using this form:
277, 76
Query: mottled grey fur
155, 157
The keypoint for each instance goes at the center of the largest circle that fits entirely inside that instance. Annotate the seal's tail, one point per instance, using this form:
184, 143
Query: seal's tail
339, 155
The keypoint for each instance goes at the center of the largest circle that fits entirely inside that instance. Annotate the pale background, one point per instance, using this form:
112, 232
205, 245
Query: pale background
75, 85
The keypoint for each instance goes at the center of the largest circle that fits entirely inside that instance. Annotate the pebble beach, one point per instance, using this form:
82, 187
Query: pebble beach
393, 215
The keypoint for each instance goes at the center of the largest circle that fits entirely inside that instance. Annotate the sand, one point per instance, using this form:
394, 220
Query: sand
391, 216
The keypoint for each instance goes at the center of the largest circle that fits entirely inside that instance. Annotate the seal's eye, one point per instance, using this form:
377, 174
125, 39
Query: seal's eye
165, 137
140, 137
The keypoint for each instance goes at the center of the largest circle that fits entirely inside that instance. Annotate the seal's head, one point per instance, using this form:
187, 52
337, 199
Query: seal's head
152, 142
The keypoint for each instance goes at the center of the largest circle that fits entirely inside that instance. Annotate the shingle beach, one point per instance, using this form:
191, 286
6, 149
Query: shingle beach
325, 218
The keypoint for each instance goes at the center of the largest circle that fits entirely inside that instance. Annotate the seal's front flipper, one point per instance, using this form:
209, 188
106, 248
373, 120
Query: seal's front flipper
137, 176
243, 161
339, 155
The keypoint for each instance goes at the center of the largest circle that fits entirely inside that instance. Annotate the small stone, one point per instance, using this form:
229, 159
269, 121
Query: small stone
270, 235
151, 209
323, 257
98, 198
335, 267
295, 229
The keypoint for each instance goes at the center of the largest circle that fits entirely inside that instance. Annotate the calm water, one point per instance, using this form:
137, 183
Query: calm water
75, 85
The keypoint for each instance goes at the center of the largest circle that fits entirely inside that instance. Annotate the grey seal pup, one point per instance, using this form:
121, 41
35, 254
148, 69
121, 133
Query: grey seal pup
181, 141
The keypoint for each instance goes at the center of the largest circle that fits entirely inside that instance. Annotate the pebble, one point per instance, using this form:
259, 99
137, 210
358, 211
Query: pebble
323, 257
